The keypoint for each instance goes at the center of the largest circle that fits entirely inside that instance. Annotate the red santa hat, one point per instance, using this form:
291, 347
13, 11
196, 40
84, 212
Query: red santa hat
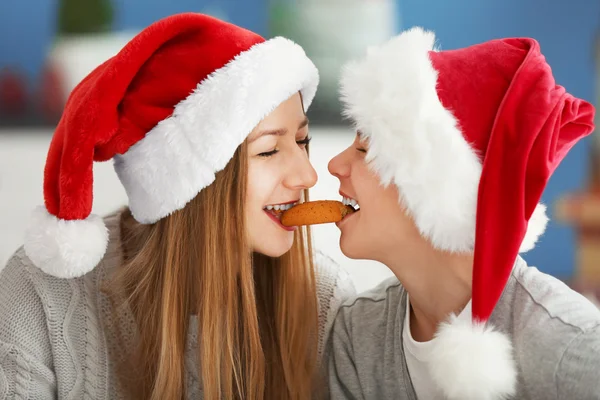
470, 137
170, 108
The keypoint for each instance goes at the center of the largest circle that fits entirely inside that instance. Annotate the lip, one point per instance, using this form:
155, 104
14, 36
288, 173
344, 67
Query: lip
289, 202
345, 195
340, 223
278, 222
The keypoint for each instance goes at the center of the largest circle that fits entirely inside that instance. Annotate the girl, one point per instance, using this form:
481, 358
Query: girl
196, 289
453, 152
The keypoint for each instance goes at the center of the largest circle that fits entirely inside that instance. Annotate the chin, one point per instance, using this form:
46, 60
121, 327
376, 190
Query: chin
350, 249
273, 252
275, 247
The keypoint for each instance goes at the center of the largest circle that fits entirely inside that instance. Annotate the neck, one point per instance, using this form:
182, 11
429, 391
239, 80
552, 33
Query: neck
438, 283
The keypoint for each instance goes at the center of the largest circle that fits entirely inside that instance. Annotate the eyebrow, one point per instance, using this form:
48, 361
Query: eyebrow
278, 132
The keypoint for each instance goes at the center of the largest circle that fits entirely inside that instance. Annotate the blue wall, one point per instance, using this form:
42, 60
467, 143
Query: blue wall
251, 14
566, 31
27, 27
26, 31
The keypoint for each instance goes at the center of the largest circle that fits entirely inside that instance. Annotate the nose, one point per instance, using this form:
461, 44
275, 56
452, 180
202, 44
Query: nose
338, 166
302, 174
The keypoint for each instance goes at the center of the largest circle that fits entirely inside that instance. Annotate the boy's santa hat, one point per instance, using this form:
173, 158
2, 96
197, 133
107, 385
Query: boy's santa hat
170, 108
470, 137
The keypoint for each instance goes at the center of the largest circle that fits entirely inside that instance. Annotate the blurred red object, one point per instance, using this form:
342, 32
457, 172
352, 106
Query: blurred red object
13, 92
52, 97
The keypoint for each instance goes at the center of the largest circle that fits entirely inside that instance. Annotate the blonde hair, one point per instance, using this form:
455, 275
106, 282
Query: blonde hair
257, 316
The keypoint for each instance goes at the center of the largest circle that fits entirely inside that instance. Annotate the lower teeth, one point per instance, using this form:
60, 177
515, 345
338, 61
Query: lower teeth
276, 213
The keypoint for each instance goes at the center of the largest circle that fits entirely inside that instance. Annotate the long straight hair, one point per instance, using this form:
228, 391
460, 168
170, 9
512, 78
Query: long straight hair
257, 316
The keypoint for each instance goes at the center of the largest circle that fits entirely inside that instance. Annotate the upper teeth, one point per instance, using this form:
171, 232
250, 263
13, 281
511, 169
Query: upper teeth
280, 207
349, 202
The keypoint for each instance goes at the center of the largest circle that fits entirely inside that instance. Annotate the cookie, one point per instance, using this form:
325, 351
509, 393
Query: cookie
315, 212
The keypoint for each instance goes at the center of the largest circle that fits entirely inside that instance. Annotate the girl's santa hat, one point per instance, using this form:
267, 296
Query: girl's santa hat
170, 108
470, 137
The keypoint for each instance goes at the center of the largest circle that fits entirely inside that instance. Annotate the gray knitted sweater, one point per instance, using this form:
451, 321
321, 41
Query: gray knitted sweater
53, 346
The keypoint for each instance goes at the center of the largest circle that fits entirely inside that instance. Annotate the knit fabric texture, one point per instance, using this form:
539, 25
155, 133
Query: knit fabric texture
56, 335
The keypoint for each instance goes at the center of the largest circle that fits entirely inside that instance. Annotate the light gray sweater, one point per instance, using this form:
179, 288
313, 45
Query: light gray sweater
54, 346
555, 333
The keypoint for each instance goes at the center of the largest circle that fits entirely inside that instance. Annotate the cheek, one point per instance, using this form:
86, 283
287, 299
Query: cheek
391, 226
370, 232
262, 182
378, 221
263, 235
384, 210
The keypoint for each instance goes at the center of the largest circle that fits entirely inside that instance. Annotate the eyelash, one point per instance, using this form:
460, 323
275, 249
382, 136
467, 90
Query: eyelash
269, 153
302, 142
359, 134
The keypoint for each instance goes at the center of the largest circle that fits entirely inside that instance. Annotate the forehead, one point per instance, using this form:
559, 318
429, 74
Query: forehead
288, 116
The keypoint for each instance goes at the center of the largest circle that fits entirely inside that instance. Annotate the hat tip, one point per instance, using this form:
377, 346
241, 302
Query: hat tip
65, 248
473, 361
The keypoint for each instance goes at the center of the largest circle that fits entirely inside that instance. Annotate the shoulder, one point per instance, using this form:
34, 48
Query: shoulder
343, 311
26, 358
22, 286
333, 281
549, 321
23, 309
334, 287
576, 375
544, 297
33, 303
367, 326
373, 309
20, 274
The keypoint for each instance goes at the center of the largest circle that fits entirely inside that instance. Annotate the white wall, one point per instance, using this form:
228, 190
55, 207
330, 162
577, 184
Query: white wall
22, 157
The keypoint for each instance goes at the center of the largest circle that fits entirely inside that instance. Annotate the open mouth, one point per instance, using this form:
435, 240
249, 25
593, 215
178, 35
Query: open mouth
277, 209
351, 202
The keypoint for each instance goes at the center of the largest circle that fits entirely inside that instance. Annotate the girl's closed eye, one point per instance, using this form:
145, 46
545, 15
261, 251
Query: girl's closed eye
360, 142
304, 142
268, 153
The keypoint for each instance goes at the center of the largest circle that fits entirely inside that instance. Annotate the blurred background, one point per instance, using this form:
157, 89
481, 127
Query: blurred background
48, 46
